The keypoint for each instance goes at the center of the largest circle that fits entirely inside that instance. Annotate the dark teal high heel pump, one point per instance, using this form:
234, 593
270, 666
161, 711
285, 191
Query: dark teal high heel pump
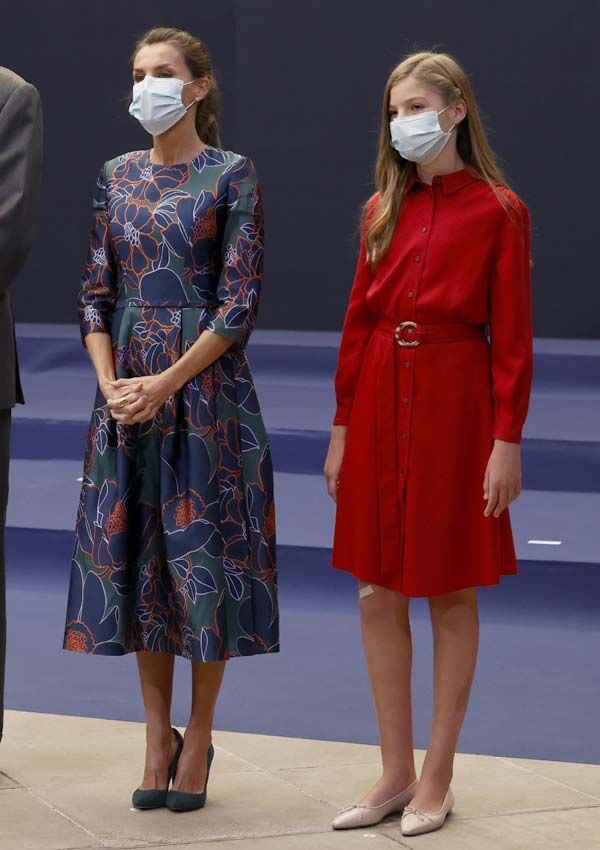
183, 801
156, 798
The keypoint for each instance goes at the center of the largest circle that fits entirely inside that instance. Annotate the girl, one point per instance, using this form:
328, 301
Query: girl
429, 415
175, 542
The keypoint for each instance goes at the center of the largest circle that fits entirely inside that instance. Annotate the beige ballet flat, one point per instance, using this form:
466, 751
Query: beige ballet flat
361, 815
415, 822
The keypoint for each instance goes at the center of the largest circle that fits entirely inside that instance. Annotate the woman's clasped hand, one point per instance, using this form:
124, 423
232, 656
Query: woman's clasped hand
136, 400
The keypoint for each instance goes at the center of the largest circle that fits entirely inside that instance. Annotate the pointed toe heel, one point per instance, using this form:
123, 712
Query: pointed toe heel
156, 798
184, 801
148, 798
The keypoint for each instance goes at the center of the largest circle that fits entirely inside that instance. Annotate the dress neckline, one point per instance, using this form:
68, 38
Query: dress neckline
450, 182
157, 165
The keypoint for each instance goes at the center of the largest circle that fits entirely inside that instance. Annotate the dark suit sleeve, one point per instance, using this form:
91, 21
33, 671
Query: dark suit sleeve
20, 178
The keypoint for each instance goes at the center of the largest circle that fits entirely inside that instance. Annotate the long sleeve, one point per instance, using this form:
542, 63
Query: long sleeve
20, 178
241, 276
511, 325
358, 326
98, 289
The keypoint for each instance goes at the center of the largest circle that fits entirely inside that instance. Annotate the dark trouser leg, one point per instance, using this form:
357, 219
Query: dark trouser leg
4, 455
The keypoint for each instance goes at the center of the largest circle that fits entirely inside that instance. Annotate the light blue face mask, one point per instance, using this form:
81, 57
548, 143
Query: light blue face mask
419, 138
157, 103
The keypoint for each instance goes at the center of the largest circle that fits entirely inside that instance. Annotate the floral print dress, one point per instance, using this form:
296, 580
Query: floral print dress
175, 536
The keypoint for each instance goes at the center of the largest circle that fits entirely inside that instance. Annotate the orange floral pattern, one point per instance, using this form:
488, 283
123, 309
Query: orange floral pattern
175, 539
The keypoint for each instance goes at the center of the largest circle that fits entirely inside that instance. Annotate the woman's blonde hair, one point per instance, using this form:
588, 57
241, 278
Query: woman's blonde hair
443, 74
198, 61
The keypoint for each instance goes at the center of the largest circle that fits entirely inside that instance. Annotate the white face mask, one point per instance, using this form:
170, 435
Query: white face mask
157, 103
419, 138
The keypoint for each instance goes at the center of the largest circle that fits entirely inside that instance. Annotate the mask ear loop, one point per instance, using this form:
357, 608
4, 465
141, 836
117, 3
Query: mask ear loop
196, 99
453, 127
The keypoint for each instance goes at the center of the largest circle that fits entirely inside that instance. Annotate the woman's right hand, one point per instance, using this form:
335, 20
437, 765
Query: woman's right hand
104, 385
333, 461
126, 414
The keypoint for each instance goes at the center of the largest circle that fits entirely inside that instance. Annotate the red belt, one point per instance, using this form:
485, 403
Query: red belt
395, 382
412, 334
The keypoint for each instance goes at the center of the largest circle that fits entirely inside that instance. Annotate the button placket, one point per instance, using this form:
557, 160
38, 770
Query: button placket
406, 374
403, 411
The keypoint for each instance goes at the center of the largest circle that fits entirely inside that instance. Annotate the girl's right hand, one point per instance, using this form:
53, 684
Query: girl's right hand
333, 461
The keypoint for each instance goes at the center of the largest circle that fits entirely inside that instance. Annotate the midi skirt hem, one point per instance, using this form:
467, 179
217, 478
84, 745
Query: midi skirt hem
116, 649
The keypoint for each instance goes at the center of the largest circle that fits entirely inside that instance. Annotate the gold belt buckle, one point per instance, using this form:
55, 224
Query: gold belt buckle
400, 339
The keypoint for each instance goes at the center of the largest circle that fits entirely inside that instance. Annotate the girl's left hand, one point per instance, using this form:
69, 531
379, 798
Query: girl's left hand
502, 479
139, 399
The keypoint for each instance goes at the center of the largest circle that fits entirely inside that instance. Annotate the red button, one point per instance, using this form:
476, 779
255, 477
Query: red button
417, 258
423, 230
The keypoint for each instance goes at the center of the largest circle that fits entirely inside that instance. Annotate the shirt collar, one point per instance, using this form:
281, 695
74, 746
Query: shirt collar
450, 183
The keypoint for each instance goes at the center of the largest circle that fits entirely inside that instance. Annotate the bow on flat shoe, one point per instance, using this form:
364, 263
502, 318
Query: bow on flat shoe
361, 815
416, 822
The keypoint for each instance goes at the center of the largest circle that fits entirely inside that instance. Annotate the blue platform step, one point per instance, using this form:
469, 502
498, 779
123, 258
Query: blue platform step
547, 464
294, 375
555, 519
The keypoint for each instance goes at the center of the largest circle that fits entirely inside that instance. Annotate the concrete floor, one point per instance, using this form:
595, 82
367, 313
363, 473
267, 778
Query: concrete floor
66, 783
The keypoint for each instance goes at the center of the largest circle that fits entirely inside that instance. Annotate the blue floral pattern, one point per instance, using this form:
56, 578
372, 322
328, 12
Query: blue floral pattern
175, 537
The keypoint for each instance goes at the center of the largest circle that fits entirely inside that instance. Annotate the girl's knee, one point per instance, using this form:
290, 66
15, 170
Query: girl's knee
378, 602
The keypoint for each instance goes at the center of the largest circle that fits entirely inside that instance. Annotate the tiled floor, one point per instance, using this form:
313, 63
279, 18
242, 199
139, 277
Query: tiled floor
66, 783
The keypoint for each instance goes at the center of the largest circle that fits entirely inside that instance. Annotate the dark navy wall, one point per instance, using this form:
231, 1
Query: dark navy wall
77, 54
302, 84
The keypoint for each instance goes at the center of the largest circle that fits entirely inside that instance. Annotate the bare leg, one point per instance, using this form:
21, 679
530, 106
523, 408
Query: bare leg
388, 650
455, 625
206, 683
156, 678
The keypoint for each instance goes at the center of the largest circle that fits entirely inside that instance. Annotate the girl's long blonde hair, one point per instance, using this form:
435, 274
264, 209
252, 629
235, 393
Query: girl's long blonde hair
442, 73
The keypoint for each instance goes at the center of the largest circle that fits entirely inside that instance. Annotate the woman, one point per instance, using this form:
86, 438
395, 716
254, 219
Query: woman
429, 415
175, 543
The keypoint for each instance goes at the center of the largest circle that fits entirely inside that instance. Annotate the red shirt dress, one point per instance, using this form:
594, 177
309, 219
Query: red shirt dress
421, 418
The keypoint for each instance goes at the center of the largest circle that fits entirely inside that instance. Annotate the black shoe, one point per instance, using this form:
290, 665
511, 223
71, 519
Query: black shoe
182, 801
156, 798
